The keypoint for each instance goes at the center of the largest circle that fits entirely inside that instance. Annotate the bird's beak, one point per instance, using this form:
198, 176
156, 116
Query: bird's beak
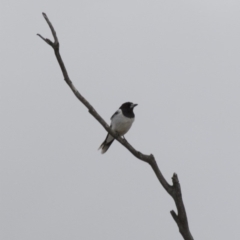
134, 105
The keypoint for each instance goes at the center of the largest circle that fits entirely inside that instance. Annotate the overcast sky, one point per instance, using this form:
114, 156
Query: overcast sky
179, 60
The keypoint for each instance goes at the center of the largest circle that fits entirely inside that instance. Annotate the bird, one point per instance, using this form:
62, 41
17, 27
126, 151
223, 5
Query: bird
121, 122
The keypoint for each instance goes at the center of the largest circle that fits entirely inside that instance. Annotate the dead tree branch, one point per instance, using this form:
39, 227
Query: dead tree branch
173, 190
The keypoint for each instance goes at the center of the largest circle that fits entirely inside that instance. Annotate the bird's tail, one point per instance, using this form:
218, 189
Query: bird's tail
106, 144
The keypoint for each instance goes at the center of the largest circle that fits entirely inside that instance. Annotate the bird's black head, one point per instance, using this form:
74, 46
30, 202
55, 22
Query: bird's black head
128, 105
127, 109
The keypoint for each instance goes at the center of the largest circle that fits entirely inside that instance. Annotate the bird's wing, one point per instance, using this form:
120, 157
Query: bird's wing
115, 114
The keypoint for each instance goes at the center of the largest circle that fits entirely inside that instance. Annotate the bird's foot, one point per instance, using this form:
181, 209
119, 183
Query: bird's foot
118, 135
125, 139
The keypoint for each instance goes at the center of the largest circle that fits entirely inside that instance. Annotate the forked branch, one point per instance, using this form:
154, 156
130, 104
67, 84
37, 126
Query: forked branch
173, 190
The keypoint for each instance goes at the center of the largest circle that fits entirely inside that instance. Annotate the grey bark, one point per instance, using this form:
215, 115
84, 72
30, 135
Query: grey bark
173, 190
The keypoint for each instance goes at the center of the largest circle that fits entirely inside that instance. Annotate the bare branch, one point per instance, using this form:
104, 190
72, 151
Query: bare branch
46, 40
173, 190
175, 217
52, 29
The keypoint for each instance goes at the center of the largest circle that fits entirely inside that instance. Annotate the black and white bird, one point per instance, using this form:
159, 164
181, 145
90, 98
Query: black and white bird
121, 122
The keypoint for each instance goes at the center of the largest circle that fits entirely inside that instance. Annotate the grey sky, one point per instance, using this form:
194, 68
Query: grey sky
179, 60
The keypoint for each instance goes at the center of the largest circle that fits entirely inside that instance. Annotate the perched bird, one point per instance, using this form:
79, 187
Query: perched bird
121, 122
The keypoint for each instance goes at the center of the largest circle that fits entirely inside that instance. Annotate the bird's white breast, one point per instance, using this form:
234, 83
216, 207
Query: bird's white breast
121, 124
